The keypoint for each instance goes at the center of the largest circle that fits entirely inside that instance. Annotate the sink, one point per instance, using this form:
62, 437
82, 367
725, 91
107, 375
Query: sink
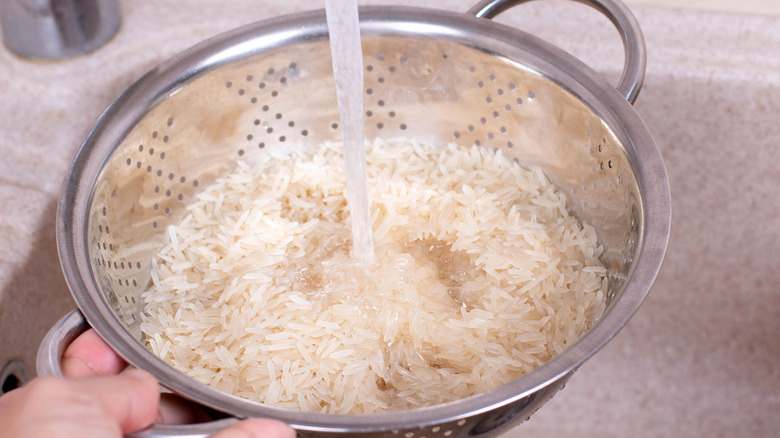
47, 109
699, 358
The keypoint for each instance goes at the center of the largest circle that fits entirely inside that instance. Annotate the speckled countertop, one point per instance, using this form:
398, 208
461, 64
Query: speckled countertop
699, 359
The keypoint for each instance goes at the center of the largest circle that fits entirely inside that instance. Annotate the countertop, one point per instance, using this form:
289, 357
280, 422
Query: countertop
700, 357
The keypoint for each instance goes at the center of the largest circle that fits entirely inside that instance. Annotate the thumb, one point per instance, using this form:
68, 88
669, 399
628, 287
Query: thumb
131, 398
257, 428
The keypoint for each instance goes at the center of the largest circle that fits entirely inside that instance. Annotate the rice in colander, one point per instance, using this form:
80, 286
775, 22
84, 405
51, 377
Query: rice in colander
482, 274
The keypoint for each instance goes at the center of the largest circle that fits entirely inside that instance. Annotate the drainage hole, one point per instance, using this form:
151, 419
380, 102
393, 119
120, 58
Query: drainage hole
10, 383
12, 376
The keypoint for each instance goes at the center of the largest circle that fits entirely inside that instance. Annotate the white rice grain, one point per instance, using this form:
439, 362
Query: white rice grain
482, 275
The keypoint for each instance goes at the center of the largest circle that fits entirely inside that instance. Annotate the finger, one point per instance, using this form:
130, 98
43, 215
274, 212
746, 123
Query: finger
257, 428
107, 406
130, 398
88, 355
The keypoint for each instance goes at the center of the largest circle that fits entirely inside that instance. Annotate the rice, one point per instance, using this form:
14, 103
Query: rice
482, 275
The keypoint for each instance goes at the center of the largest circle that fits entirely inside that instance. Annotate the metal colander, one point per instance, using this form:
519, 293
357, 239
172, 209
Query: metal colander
430, 75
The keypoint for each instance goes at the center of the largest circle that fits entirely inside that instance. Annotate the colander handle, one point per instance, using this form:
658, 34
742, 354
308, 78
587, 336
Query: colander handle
49, 362
618, 13
59, 337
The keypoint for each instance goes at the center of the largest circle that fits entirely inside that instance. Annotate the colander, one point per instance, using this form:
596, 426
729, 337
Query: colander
431, 75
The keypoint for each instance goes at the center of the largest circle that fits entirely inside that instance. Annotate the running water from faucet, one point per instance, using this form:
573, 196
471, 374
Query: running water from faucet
347, 59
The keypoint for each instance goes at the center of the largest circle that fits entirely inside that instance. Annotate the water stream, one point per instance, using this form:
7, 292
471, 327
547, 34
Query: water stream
347, 55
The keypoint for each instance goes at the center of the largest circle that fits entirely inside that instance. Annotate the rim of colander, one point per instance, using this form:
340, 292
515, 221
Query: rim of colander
552, 62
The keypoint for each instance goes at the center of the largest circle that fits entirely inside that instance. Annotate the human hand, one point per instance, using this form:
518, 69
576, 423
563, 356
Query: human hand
97, 399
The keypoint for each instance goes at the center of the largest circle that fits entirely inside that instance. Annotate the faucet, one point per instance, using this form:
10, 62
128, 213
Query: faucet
54, 29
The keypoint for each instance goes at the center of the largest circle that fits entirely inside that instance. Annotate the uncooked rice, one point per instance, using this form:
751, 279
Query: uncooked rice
482, 274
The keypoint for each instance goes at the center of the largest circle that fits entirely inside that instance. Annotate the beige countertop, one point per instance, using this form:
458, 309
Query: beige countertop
700, 357
770, 7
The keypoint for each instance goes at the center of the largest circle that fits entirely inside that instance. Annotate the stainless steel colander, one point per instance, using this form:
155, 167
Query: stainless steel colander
431, 75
